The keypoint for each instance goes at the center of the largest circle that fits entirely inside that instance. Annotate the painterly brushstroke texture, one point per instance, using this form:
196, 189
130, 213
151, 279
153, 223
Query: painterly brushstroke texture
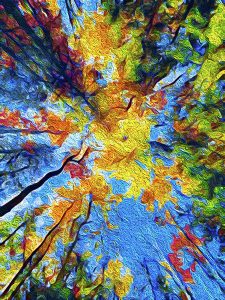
112, 146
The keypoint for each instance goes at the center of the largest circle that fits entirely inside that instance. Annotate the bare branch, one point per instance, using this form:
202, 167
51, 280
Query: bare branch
12, 234
7, 207
47, 240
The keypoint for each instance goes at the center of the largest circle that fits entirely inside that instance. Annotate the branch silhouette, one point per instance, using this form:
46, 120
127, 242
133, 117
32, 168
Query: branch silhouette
7, 207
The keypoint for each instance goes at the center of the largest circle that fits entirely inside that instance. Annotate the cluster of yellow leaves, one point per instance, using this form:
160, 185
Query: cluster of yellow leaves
160, 188
121, 283
96, 186
123, 122
211, 70
104, 43
156, 192
53, 7
9, 263
116, 277
125, 135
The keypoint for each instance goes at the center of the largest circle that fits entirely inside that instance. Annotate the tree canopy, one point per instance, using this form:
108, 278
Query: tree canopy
112, 177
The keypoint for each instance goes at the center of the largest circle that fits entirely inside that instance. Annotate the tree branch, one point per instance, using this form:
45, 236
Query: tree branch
7, 207
70, 250
48, 239
12, 234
